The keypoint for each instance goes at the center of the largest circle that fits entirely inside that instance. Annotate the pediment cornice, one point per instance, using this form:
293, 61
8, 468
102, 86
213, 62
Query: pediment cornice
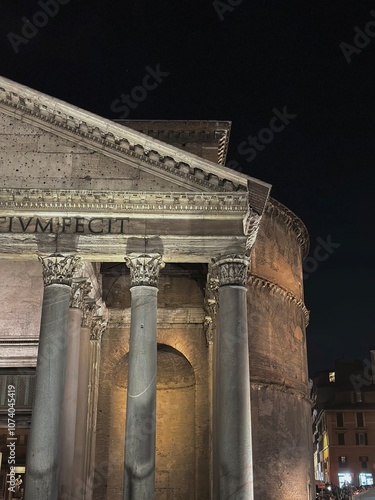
108, 137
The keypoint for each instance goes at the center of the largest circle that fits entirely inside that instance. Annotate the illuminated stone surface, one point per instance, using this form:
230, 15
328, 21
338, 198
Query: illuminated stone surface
108, 191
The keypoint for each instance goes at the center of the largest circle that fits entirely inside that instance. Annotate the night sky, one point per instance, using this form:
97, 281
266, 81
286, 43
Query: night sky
240, 61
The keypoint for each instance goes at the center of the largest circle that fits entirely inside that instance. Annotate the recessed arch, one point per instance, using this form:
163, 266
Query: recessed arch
173, 369
175, 421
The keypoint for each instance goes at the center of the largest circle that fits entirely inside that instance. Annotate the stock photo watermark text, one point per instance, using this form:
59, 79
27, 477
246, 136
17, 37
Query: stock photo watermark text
40, 19
150, 81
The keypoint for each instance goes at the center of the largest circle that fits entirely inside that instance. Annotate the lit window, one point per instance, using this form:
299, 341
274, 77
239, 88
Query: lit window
332, 376
344, 478
343, 462
365, 479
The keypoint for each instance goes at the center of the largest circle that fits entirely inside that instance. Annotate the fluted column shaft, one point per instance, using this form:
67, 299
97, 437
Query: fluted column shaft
44, 439
232, 446
139, 474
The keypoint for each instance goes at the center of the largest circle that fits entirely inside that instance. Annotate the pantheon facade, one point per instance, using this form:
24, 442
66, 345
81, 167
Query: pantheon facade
152, 327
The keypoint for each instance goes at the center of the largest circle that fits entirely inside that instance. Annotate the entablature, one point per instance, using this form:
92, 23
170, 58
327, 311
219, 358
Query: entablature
96, 218
105, 226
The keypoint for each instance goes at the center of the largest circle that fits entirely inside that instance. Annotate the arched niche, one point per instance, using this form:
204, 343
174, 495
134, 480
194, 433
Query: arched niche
175, 422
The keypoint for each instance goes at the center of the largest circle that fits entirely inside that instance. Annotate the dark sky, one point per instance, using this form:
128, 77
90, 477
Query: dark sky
239, 61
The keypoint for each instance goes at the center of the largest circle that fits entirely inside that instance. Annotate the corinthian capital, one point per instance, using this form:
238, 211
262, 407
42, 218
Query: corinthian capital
59, 269
144, 269
88, 311
98, 328
231, 269
99, 325
79, 291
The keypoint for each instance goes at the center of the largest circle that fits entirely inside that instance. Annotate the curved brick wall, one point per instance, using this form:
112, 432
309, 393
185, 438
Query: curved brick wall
281, 411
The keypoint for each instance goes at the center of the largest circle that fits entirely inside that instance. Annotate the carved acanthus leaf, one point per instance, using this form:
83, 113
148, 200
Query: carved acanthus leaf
97, 329
231, 269
211, 302
59, 269
144, 269
99, 322
89, 309
79, 289
208, 329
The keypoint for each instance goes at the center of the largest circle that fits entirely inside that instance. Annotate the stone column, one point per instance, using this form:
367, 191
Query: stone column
98, 328
43, 444
139, 473
79, 478
70, 398
232, 448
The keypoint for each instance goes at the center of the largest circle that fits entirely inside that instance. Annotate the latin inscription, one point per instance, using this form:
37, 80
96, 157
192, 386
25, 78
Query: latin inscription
68, 225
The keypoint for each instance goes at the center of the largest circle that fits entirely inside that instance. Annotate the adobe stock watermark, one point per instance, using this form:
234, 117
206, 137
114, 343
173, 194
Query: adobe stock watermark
222, 7
322, 251
360, 380
360, 41
152, 79
40, 19
253, 145
102, 473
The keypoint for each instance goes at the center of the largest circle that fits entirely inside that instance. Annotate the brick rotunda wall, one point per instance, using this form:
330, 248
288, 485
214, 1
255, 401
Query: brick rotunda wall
281, 411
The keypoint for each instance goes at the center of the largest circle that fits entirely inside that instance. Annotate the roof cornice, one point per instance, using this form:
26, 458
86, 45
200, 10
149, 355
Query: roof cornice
279, 211
260, 282
174, 131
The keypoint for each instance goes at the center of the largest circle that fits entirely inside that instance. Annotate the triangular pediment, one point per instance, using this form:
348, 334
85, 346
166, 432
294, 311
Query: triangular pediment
57, 157
36, 159
48, 143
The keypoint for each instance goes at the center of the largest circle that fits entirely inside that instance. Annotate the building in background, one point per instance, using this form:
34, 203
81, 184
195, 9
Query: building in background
85, 194
344, 424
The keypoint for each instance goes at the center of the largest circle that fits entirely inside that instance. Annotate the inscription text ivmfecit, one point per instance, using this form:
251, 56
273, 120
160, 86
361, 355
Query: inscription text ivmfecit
68, 225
